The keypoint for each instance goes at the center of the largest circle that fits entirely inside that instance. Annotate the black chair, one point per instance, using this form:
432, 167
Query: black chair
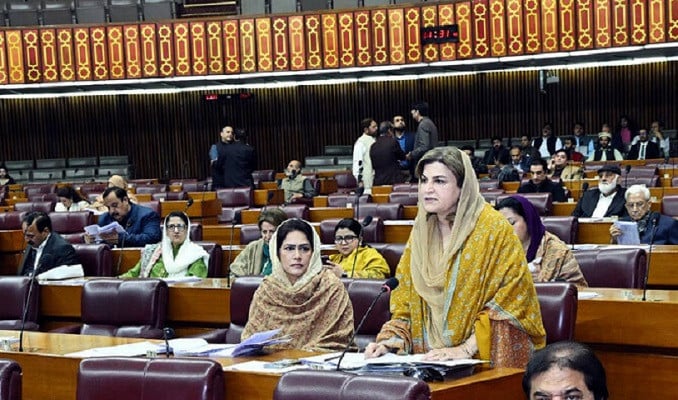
158, 9
23, 14
60, 12
124, 10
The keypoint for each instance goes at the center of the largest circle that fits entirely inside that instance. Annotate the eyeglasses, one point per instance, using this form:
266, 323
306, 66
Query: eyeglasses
345, 239
639, 204
177, 227
302, 248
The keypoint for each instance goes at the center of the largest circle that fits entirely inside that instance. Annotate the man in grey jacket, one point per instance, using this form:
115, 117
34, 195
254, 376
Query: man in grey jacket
426, 137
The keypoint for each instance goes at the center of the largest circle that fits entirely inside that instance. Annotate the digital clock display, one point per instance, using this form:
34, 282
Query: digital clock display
440, 34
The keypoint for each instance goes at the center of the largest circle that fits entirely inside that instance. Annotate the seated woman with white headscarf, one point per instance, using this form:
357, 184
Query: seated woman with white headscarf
307, 301
175, 256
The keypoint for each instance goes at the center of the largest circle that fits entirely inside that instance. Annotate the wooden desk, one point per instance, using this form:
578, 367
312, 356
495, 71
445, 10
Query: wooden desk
203, 211
319, 214
12, 245
48, 374
193, 307
635, 340
261, 198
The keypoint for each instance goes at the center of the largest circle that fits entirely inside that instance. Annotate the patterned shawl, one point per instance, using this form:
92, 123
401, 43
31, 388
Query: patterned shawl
316, 311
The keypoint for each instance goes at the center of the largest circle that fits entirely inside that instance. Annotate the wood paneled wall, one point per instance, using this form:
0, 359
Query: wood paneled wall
165, 134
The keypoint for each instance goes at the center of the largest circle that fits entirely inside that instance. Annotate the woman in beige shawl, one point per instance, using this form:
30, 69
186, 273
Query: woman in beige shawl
465, 290
307, 301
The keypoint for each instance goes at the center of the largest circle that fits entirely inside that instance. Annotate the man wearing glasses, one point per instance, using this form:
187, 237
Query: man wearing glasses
45, 249
638, 205
540, 183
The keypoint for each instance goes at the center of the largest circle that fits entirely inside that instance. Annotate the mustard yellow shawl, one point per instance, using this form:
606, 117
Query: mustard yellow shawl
480, 280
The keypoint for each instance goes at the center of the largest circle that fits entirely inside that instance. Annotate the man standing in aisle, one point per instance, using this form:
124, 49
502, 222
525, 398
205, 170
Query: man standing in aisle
237, 162
406, 141
362, 164
427, 133
226, 139
385, 154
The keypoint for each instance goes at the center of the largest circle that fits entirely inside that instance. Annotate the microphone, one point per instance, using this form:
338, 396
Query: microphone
358, 192
122, 246
365, 222
189, 203
234, 222
269, 197
167, 334
626, 177
390, 284
204, 190
184, 168
655, 221
27, 305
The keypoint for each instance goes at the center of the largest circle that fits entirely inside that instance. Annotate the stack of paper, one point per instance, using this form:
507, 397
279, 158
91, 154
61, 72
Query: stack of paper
255, 343
97, 231
358, 360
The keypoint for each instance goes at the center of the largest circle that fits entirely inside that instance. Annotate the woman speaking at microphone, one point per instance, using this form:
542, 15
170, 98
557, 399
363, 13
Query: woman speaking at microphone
465, 290
355, 259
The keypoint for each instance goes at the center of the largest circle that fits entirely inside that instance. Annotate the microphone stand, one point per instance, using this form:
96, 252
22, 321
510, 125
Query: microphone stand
626, 177
24, 314
189, 203
366, 221
122, 246
168, 333
389, 285
236, 220
655, 221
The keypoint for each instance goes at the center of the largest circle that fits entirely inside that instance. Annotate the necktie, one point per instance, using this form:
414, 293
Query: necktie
642, 151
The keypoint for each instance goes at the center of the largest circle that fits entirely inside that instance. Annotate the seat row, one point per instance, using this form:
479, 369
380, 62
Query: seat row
113, 378
61, 12
73, 169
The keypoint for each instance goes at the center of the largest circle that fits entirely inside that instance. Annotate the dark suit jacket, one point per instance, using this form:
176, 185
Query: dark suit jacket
556, 189
652, 151
237, 161
667, 230
385, 154
142, 226
57, 251
587, 203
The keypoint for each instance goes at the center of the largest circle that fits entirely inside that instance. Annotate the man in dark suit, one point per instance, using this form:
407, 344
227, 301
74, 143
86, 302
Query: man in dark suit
406, 141
226, 139
142, 225
653, 227
385, 154
541, 183
645, 149
606, 200
46, 249
237, 161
